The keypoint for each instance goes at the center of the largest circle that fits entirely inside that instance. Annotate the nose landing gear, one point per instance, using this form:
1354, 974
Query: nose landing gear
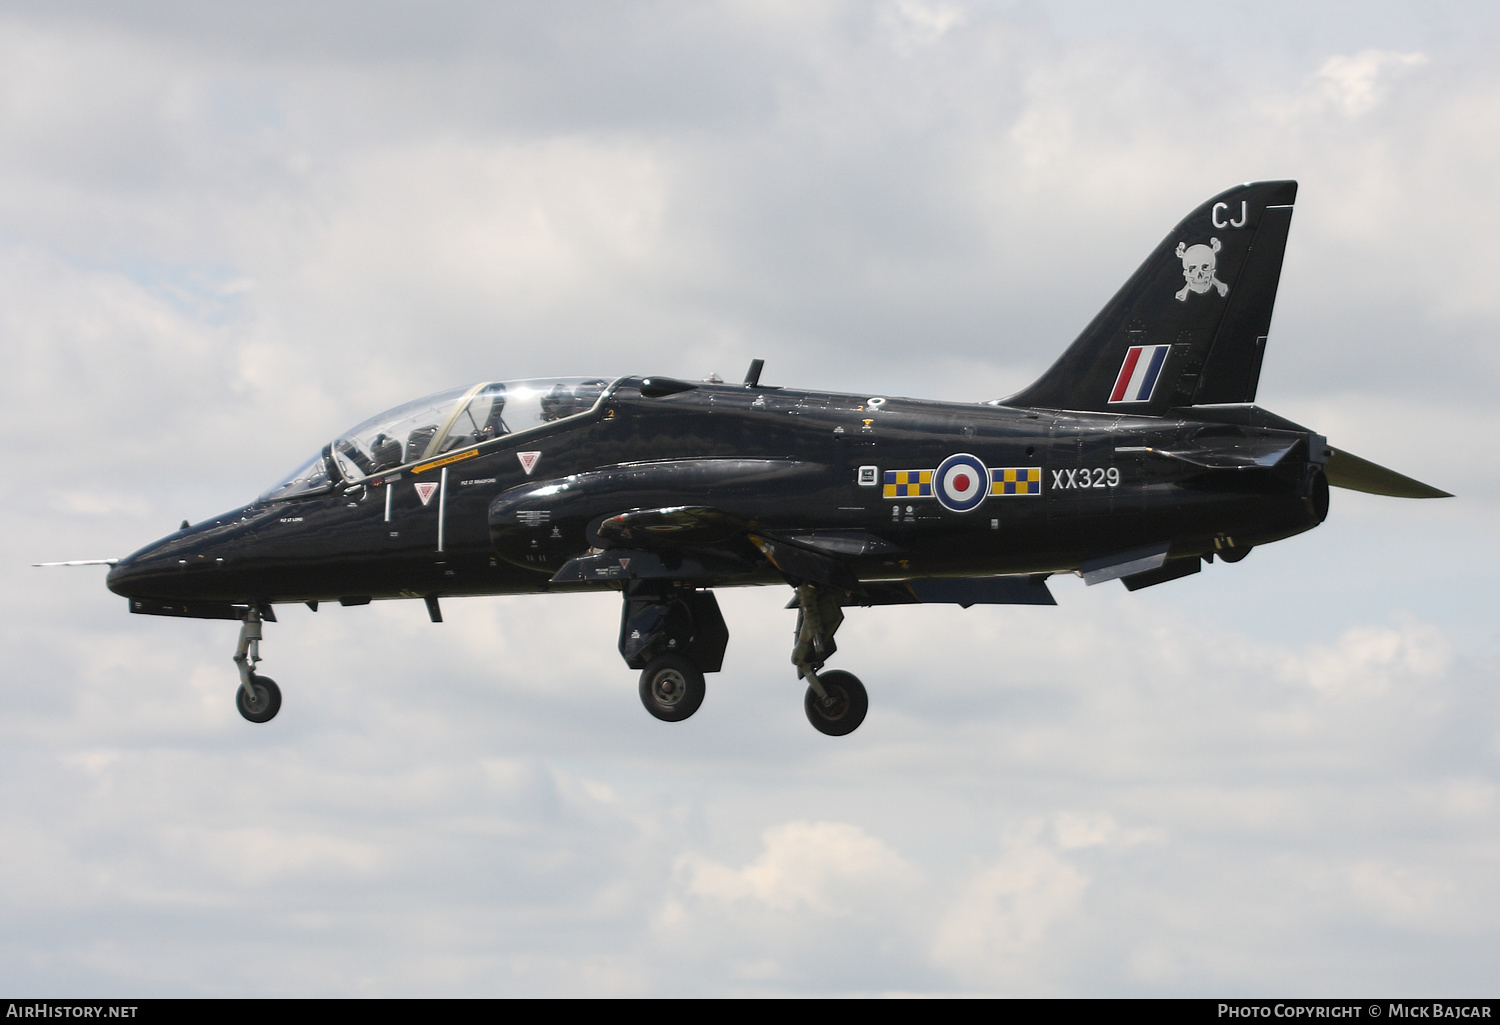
261, 702
258, 697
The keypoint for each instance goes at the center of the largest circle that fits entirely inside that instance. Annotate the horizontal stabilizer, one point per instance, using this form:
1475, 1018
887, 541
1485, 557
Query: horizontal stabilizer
1350, 471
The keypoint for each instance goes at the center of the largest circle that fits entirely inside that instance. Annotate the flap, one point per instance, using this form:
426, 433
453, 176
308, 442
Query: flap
1124, 564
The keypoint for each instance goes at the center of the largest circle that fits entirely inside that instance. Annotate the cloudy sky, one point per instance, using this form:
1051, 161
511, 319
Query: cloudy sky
228, 232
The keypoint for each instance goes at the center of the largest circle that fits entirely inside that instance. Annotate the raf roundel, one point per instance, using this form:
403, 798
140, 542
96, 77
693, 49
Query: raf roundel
961, 482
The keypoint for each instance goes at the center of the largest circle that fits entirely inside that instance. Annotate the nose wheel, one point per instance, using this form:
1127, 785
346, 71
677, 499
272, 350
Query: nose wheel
261, 702
258, 698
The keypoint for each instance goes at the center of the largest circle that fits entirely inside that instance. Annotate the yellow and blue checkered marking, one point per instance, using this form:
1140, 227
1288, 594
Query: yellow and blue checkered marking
1005, 480
909, 483
1016, 480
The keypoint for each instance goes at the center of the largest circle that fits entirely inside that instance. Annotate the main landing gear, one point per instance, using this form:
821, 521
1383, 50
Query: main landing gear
674, 635
672, 688
836, 701
258, 699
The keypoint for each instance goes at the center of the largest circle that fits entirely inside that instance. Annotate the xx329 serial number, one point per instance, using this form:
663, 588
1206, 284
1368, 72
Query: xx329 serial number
1086, 477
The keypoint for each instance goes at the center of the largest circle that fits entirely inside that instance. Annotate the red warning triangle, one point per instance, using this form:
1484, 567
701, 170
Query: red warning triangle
425, 490
528, 460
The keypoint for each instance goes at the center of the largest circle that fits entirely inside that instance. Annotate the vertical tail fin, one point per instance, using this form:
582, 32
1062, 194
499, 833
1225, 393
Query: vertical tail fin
1190, 325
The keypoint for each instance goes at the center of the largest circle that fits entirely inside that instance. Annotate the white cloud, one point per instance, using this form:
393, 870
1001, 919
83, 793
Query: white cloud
913, 23
1353, 84
821, 866
1372, 660
993, 935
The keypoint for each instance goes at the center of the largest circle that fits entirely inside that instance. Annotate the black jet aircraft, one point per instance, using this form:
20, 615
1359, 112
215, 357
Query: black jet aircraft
1139, 456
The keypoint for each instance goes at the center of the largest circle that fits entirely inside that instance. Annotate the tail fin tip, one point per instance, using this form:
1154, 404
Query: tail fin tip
1189, 326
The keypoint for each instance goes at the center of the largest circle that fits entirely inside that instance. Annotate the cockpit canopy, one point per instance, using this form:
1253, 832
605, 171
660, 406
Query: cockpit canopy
440, 423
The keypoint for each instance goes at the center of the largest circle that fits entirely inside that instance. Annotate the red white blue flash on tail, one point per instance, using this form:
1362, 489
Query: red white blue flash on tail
1139, 373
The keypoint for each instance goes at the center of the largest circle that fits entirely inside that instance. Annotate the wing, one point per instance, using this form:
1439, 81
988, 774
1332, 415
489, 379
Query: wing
686, 543
696, 542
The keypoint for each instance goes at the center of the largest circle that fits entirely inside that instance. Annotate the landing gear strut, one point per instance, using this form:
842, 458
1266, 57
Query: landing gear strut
258, 698
836, 701
673, 635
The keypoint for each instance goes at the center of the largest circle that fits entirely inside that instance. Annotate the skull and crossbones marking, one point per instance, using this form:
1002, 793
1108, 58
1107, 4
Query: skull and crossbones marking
1198, 265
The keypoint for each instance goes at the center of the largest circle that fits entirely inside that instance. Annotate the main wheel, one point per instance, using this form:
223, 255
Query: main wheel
843, 710
671, 688
266, 703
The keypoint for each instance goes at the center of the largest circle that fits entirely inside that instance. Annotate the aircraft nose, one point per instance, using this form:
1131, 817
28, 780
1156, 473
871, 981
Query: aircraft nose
144, 573
176, 567
120, 575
